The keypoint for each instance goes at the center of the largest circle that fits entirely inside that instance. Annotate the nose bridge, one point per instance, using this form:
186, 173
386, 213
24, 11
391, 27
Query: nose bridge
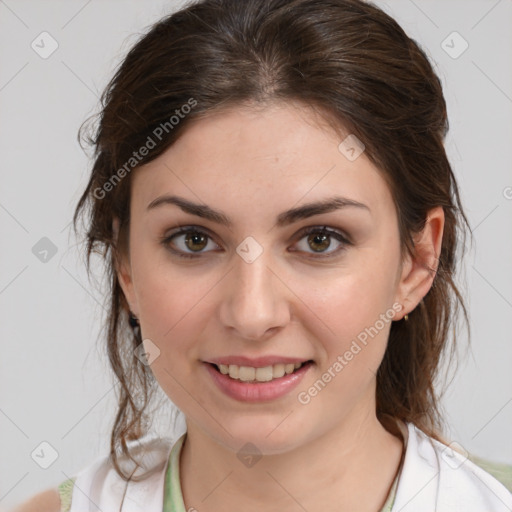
254, 302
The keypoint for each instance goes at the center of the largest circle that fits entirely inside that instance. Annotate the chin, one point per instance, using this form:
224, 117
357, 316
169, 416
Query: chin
269, 436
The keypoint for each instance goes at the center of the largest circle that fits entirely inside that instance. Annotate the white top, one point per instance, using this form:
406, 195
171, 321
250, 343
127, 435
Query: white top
434, 478
98, 487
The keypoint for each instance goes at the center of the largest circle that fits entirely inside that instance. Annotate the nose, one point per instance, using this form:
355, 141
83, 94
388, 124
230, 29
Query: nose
255, 301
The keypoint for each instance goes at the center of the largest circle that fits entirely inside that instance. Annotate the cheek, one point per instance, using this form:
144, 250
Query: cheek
170, 297
353, 315
174, 314
172, 304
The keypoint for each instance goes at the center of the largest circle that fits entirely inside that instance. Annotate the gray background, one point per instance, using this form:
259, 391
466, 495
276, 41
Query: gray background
55, 385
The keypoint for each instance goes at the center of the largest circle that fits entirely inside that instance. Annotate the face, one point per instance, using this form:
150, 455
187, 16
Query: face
264, 288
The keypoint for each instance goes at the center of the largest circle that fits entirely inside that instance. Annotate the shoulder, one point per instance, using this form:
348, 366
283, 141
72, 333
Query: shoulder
45, 501
502, 472
100, 483
437, 477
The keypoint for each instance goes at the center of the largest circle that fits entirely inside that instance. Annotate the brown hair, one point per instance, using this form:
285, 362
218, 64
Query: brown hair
352, 63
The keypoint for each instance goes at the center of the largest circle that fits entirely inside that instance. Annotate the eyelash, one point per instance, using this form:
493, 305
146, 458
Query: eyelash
307, 231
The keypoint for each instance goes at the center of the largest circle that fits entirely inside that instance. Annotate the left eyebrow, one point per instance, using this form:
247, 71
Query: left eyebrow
284, 219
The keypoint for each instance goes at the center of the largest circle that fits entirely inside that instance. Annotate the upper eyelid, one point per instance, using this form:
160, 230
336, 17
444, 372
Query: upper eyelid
202, 229
179, 230
330, 230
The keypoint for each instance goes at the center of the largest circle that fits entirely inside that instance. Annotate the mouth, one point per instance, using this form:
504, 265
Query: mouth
260, 374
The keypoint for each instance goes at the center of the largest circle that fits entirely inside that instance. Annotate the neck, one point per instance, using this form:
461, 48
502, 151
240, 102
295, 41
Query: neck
353, 465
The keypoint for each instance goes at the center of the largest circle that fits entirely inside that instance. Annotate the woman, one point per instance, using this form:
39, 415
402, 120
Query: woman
280, 222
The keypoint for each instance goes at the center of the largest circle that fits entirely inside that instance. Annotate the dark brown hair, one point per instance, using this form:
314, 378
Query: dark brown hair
352, 63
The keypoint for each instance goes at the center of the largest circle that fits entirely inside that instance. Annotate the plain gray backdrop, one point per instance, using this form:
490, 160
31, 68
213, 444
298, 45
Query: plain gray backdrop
55, 385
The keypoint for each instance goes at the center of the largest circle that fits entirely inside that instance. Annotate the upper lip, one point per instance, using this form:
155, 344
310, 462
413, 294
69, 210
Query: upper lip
256, 362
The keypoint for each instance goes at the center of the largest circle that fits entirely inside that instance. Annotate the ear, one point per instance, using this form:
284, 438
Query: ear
418, 272
123, 271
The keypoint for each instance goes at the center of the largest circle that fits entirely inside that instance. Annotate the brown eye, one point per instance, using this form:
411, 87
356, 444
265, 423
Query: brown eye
319, 242
192, 242
196, 241
319, 239
187, 241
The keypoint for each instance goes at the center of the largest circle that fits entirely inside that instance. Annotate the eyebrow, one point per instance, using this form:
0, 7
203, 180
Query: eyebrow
285, 218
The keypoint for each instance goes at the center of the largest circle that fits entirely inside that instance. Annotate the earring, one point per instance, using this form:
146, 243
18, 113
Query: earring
406, 317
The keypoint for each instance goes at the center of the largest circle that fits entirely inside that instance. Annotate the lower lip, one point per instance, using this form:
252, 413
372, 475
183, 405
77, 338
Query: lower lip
257, 391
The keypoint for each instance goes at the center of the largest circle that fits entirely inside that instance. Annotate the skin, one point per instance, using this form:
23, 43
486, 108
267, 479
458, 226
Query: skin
252, 165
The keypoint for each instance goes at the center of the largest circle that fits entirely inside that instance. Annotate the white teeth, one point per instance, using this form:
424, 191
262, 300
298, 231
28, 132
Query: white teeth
265, 374
233, 371
288, 368
278, 370
246, 373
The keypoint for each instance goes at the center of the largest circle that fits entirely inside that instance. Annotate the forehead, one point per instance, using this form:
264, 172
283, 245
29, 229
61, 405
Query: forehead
273, 157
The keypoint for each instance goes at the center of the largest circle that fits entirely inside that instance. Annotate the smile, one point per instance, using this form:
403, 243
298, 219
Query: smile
257, 384
251, 374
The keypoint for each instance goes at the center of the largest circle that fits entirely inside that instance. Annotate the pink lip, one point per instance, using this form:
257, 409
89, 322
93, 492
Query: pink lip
257, 362
257, 391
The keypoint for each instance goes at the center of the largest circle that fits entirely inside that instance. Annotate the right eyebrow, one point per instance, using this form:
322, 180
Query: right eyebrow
284, 219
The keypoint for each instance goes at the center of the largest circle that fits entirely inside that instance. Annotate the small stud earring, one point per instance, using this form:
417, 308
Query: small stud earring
406, 317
